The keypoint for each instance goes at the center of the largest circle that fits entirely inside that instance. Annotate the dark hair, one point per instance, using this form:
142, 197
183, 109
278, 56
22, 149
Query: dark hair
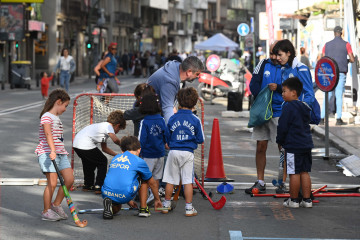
150, 104
302, 50
141, 90
187, 97
57, 94
193, 63
292, 84
285, 46
62, 51
117, 117
129, 143
42, 74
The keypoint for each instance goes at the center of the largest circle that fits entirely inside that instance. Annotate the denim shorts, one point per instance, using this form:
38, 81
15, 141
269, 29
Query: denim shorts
47, 166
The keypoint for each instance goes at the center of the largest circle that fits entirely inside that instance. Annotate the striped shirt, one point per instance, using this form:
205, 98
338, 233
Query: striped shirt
56, 132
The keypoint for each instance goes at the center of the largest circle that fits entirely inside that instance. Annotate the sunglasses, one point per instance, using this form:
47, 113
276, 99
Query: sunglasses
113, 48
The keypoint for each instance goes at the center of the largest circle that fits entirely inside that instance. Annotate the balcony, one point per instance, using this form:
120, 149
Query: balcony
212, 25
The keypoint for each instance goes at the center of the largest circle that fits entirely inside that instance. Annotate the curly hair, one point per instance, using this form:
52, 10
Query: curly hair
187, 97
129, 143
117, 117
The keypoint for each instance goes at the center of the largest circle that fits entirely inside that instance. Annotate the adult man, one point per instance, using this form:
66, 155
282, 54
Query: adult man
266, 74
338, 49
166, 81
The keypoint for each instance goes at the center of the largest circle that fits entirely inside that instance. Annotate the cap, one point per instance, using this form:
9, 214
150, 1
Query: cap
338, 29
111, 45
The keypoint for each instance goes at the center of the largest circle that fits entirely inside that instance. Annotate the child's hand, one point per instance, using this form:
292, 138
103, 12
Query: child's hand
166, 146
158, 204
52, 74
132, 204
52, 155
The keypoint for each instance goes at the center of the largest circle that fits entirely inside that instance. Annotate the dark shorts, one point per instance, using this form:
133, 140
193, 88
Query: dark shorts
298, 162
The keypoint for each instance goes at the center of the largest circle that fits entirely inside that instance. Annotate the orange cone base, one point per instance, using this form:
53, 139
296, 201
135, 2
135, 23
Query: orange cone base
218, 180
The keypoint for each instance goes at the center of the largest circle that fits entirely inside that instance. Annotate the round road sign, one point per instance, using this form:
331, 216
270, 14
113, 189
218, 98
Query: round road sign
213, 62
243, 29
326, 74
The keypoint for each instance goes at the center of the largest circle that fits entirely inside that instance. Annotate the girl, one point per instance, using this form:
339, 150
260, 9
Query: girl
153, 136
51, 148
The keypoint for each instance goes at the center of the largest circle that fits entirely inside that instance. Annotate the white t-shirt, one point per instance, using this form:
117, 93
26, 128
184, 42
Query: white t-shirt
65, 63
93, 134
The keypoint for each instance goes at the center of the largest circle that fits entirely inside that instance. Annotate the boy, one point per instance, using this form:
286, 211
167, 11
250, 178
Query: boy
45, 80
122, 181
293, 134
185, 134
85, 146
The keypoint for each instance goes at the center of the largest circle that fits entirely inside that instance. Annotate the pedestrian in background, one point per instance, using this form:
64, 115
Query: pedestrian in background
338, 49
303, 58
45, 80
125, 62
294, 135
97, 69
109, 83
67, 66
144, 64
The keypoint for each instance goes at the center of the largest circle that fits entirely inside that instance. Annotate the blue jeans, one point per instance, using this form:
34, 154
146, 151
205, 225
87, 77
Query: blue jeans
339, 90
65, 79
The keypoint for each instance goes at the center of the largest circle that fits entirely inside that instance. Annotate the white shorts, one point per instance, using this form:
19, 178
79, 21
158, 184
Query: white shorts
179, 165
156, 166
267, 131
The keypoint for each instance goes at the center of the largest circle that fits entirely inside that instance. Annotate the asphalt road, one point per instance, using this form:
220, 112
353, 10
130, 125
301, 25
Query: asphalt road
256, 218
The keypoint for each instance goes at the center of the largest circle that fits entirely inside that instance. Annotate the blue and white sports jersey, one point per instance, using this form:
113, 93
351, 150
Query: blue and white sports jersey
121, 182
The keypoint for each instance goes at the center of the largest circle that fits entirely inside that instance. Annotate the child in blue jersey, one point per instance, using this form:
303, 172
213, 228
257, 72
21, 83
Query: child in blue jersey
294, 135
186, 133
153, 136
123, 180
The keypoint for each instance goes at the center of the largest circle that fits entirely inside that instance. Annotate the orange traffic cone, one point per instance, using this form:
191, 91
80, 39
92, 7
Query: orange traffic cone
215, 170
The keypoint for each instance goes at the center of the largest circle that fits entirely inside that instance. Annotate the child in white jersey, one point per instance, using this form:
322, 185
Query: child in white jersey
85, 146
51, 148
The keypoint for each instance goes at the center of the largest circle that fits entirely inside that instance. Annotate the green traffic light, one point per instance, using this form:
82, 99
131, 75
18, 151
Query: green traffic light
88, 45
16, 45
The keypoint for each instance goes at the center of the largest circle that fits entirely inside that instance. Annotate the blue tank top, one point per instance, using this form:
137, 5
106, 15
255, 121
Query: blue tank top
111, 66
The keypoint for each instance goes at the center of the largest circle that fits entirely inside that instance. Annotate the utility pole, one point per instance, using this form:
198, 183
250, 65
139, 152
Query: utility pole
90, 38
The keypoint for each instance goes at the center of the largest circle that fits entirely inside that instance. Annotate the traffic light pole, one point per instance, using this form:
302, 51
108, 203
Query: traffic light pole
90, 34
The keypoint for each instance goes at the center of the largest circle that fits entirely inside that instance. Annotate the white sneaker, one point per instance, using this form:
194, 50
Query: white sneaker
50, 215
306, 204
290, 204
165, 206
59, 210
190, 212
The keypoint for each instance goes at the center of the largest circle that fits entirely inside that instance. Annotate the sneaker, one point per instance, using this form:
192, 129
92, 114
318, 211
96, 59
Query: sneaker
50, 215
87, 188
59, 210
262, 189
165, 206
290, 203
281, 189
107, 213
144, 212
306, 203
190, 212
340, 122
151, 199
97, 189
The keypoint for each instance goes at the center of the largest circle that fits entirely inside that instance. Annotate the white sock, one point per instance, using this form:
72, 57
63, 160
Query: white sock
167, 203
188, 206
262, 183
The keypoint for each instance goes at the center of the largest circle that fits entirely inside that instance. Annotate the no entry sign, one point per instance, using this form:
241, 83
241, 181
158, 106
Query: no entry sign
213, 63
326, 74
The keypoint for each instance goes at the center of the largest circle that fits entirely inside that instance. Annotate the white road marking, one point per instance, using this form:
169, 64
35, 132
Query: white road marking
237, 235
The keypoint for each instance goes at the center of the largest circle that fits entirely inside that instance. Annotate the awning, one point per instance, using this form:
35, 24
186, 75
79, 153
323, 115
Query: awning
318, 8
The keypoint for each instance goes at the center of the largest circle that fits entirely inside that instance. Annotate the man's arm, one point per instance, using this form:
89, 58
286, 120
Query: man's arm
167, 94
257, 77
350, 53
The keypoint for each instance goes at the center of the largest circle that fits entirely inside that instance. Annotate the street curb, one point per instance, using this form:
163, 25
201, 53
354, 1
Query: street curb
339, 143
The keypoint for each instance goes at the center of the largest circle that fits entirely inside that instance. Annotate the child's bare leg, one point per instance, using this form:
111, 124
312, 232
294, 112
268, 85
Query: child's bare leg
68, 176
188, 191
284, 172
305, 184
143, 194
294, 185
168, 191
49, 189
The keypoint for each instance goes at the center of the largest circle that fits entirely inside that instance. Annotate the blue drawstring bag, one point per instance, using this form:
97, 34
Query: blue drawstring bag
261, 110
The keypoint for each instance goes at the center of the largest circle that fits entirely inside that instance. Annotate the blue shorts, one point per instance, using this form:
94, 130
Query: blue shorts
47, 166
298, 162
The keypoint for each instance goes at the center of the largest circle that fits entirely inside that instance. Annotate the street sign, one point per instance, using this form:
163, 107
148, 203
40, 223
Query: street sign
326, 74
243, 29
213, 62
249, 40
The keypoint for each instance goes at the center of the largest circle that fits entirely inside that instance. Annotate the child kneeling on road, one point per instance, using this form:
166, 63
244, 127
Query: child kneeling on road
294, 135
186, 133
123, 180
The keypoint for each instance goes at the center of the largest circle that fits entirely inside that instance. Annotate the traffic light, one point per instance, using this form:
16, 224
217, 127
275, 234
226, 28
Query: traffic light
16, 45
88, 45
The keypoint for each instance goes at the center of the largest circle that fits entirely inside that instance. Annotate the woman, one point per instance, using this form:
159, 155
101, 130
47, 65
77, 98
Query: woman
97, 68
285, 55
67, 66
109, 83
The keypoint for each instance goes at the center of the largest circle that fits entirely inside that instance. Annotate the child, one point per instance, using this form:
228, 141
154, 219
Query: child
85, 146
294, 135
51, 148
134, 114
45, 80
185, 133
153, 136
126, 172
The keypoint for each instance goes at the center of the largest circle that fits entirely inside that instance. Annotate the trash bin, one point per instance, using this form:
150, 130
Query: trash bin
20, 74
235, 100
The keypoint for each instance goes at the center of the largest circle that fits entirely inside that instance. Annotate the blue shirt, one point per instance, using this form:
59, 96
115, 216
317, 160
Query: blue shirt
121, 181
186, 131
111, 66
153, 135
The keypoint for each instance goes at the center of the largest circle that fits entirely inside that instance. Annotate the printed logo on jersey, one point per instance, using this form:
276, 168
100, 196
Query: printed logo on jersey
291, 75
117, 195
267, 74
155, 130
122, 162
